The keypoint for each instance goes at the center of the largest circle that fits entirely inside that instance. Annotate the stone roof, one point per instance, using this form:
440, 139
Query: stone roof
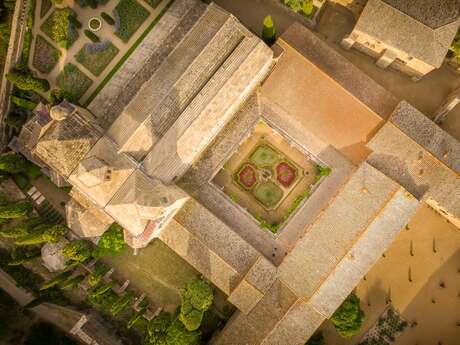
66, 142
387, 24
433, 13
141, 199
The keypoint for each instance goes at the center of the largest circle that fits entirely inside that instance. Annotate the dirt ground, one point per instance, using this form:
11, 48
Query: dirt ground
428, 253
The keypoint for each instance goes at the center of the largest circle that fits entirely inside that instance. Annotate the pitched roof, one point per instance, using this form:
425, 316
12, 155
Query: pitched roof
388, 24
433, 13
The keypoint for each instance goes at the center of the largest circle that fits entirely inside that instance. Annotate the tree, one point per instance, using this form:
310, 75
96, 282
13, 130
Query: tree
15, 210
348, 318
122, 303
99, 271
269, 31
43, 233
12, 163
23, 229
72, 282
163, 330
57, 279
111, 242
27, 82
178, 335
316, 339
136, 318
196, 298
157, 329
77, 251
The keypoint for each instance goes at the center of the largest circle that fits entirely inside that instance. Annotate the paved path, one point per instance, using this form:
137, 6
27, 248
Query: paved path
106, 33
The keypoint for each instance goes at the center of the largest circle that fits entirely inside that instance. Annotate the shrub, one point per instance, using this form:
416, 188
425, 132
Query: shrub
269, 31
122, 303
12, 163
111, 242
304, 7
103, 289
108, 19
27, 82
58, 95
43, 233
99, 271
23, 103
178, 335
57, 279
15, 120
349, 317
196, 298
15, 210
92, 36
136, 318
77, 251
72, 282
22, 229
60, 28
21, 255
75, 22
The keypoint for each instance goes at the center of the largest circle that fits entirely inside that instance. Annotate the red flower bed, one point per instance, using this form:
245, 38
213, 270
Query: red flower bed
247, 176
285, 174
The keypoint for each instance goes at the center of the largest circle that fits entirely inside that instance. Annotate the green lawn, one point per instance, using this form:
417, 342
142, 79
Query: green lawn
96, 56
59, 29
153, 3
264, 156
45, 55
45, 7
269, 194
129, 15
73, 82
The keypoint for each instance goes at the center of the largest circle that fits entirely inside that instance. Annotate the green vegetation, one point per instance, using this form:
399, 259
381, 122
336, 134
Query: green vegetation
129, 15
349, 317
43, 234
111, 242
72, 282
127, 55
45, 55
92, 3
15, 210
45, 7
96, 276
296, 203
153, 3
196, 297
23, 103
121, 303
322, 171
303, 7
107, 18
60, 28
269, 31
73, 82
96, 57
269, 194
27, 36
264, 156
6, 16
26, 81
316, 339
57, 279
92, 36
75, 22
22, 229
21, 255
78, 251
12, 163
164, 330
454, 50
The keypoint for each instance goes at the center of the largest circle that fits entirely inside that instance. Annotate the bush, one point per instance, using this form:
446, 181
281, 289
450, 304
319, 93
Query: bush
348, 318
57, 279
15, 210
22, 229
72, 282
60, 27
121, 303
12, 163
92, 36
316, 339
27, 82
43, 233
269, 31
108, 19
99, 271
196, 297
23, 103
78, 251
178, 335
111, 242
304, 7
21, 255
163, 330
75, 22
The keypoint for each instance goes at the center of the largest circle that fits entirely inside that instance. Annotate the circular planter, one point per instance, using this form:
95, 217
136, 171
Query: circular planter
95, 24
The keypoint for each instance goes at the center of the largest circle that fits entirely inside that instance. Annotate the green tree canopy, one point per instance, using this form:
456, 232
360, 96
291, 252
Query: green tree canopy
43, 233
178, 335
27, 82
196, 297
348, 318
78, 251
316, 339
269, 31
111, 242
15, 210
12, 163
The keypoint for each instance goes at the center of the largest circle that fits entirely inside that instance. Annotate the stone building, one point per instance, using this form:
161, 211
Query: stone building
410, 36
190, 97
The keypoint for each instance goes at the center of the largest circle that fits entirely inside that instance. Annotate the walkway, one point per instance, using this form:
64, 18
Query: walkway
106, 33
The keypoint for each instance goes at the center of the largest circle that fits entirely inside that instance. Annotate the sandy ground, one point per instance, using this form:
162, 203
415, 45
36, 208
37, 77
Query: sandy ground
428, 253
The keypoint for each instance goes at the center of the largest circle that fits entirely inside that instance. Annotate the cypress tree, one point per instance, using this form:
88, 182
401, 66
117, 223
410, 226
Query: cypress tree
269, 31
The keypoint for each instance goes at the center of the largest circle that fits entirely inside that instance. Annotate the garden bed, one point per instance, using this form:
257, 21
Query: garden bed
59, 28
45, 55
73, 82
45, 7
96, 56
129, 16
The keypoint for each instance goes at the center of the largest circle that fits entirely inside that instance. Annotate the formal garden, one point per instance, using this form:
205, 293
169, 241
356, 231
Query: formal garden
269, 177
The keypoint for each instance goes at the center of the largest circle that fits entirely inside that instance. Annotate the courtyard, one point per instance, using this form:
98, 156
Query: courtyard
269, 177
78, 45
419, 277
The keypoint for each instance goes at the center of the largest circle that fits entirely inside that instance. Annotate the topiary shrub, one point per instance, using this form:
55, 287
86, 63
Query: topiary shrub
108, 19
75, 22
111, 242
196, 297
15, 210
42, 234
348, 318
92, 36
269, 31
77, 251
27, 82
